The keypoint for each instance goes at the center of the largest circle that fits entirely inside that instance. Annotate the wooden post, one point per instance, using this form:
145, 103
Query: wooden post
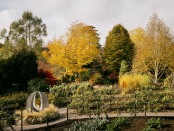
67, 113
135, 105
98, 107
102, 105
110, 100
47, 122
67, 109
21, 119
145, 110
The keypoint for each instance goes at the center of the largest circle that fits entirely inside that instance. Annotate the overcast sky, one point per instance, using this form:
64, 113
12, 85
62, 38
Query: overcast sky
103, 14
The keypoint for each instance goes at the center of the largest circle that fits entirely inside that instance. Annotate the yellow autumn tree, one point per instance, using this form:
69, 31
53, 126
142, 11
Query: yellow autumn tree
76, 49
154, 55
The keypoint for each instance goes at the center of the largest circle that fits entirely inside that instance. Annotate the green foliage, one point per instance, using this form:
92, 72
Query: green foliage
168, 81
93, 101
96, 79
154, 123
2, 116
101, 99
7, 50
11, 120
86, 103
12, 102
6, 119
8, 104
118, 124
28, 30
118, 47
3, 33
60, 94
101, 125
82, 98
123, 68
150, 99
17, 70
82, 87
38, 85
85, 75
91, 125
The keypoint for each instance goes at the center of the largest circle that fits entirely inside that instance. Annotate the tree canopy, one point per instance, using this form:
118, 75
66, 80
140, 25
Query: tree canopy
77, 48
18, 69
137, 36
26, 32
118, 47
153, 57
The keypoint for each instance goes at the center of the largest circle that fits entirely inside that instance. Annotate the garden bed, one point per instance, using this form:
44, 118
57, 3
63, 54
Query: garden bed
137, 124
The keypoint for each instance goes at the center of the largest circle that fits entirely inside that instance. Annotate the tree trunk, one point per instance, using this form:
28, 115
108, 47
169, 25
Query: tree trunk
156, 76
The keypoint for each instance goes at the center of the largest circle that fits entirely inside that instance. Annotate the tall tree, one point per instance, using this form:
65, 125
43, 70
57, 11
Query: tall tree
118, 47
29, 30
154, 55
77, 49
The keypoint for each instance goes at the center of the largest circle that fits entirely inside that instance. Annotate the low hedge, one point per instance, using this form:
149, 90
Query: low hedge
13, 102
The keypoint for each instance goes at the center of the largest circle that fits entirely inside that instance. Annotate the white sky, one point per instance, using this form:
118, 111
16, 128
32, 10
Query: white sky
103, 14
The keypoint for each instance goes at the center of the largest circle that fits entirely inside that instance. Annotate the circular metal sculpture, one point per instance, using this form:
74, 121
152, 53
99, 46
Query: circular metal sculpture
31, 105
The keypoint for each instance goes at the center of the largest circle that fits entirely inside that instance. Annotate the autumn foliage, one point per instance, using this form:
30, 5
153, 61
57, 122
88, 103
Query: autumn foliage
129, 82
77, 48
154, 53
44, 71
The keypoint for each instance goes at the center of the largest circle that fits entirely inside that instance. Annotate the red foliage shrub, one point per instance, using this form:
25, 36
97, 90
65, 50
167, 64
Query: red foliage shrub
44, 71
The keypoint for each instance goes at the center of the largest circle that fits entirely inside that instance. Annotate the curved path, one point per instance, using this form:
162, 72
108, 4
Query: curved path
78, 117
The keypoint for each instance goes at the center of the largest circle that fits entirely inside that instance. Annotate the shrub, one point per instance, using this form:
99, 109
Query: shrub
107, 90
85, 75
123, 68
168, 81
82, 87
37, 85
60, 94
96, 79
3, 115
73, 86
12, 102
6, 119
91, 125
153, 123
131, 81
84, 102
118, 124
